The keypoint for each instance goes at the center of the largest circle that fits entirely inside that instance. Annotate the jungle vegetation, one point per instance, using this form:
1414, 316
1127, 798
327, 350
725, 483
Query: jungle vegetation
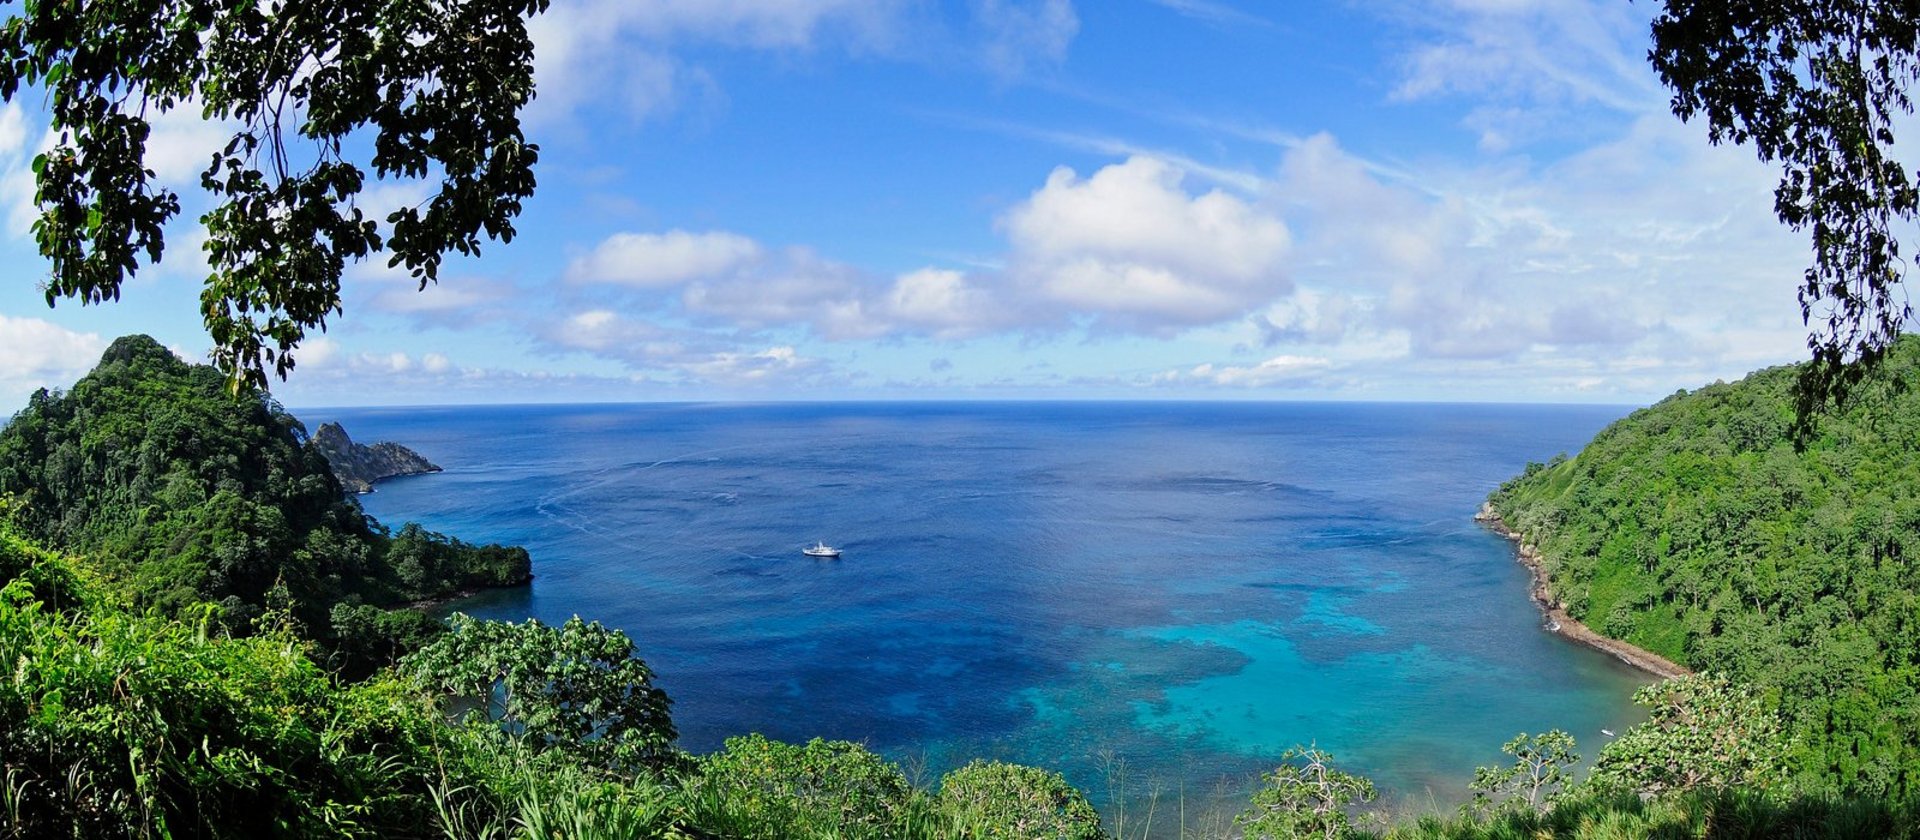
185, 492
1697, 529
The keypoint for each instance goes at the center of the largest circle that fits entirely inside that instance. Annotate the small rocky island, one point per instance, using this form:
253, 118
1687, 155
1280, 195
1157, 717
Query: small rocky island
358, 466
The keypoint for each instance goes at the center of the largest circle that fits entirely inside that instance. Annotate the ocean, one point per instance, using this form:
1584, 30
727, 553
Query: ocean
1151, 598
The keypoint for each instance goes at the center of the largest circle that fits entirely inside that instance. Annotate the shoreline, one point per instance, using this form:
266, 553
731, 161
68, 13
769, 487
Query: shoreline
1558, 621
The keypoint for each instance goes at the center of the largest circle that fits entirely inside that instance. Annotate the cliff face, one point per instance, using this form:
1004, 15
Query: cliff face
358, 466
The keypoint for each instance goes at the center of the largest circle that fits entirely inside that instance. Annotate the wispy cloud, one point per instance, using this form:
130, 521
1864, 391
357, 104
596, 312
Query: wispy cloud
1213, 12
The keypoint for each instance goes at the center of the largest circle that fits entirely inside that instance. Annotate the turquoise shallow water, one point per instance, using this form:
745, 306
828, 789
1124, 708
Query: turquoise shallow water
1188, 588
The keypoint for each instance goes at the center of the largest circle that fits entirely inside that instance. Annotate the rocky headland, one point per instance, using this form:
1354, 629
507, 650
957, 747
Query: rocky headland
358, 465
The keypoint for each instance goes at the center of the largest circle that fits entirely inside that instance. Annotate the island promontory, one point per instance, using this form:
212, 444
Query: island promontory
359, 465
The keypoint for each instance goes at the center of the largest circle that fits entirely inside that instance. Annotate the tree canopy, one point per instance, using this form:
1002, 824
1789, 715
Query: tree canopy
314, 93
190, 492
1697, 529
1818, 87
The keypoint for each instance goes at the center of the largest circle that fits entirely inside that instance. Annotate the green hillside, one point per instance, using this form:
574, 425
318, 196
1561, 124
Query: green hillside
186, 492
1696, 529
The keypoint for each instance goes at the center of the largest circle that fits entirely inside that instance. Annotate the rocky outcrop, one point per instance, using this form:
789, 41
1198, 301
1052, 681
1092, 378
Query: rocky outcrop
358, 466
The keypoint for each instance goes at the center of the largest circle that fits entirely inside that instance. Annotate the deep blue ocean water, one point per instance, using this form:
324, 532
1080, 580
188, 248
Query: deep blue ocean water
1191, 588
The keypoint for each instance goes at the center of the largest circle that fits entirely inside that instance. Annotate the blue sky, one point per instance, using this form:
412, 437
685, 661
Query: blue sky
1477, 200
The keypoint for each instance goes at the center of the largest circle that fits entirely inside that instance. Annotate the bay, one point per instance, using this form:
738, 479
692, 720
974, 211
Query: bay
1144, 596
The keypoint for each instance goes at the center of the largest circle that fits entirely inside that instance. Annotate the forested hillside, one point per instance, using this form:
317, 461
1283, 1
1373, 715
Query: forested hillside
1696, 529
186, 492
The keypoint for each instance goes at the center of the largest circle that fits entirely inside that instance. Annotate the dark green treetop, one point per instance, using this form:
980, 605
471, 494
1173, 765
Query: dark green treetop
433, 88
1817, 86
576, 688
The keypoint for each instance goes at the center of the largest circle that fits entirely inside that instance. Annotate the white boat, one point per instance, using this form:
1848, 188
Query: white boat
821, 549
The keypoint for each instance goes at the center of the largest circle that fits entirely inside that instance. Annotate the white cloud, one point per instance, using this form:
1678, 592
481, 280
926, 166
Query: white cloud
1021, 33
795, 286
608, 334
598, 50
17, 186
689, 357
1279, 371
449, 300
633, 55
1132, 246
657, 260
317, 352
181, 145
1530, 65
946, 303
774, 365
39, 354
1219, 14
735, 282
1578, 270
13, 130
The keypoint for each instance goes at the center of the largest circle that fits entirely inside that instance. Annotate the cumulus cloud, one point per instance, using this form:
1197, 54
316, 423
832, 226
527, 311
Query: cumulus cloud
944, 303
38, 354
1132, 246
656, 260
609, 334
729, 280
794, 286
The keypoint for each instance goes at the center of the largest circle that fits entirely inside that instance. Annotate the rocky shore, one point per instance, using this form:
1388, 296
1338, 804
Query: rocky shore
357, 466
1557, 618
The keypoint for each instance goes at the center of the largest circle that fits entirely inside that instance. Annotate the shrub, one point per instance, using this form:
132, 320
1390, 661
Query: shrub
1000, 801
761, 788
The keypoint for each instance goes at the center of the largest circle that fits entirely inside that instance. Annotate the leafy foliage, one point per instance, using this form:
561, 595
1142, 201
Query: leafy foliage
1697, 530
1708, 815
994, 800
575, 687
1819, 86
433, 89
1703, 734
191, 493
775, 790
1305, 797
119, 726
1541, 771
499, 789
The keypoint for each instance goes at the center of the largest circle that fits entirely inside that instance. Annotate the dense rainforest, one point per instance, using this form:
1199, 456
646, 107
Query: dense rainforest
1703, 529
185, 492
180, 575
